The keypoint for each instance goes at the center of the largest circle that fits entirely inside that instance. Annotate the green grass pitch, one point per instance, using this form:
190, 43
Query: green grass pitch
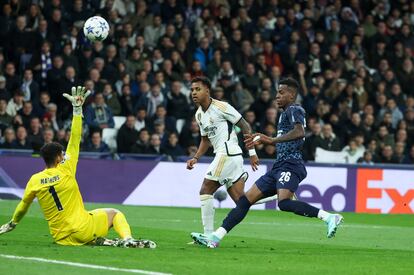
266, 242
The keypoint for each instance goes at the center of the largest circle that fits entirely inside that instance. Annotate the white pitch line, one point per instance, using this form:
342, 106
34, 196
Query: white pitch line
43, 260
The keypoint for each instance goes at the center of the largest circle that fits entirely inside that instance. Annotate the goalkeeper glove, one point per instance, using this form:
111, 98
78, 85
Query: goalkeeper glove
78, 97
7, 227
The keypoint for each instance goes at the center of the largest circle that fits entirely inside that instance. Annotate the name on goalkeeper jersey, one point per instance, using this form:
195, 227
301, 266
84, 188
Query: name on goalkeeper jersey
49, 180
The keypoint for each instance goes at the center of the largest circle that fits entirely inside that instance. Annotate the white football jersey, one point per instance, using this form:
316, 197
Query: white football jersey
217, 123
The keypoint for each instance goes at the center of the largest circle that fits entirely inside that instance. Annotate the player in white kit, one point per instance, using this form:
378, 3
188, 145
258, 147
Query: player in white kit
216, 120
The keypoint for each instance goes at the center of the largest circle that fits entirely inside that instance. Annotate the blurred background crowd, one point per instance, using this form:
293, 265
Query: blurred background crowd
353, 60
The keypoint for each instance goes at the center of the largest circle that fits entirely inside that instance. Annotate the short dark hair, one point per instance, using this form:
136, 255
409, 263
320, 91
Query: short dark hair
50, 152
290, 82
204, 80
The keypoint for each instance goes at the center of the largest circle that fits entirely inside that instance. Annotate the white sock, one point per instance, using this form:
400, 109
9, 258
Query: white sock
207, 213
220, 233
267, 199
323, 215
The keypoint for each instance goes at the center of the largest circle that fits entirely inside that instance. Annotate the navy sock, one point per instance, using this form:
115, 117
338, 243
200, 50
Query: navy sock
237, 214
299, 208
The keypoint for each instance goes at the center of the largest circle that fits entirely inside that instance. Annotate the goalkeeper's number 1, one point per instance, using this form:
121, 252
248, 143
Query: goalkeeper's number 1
55, 198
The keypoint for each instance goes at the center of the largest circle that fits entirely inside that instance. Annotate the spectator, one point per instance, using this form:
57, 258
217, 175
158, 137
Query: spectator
26, 113
409, 158
399, 151
177, 103
250, 80
52, 116
42, 63
29, 87
366, 158
387, 155
143, 143
204, 53
98, 115
35, 136
153, 99
4, 93
48, 136
41, 108
95, 144
127, 135
383, 137
392, 108
155, 145
352, 154
141, 119
309, 145
226, 73
22, 142
127, 101
15, 104
5, 118
152, 33
134, 62
250, 117
190, 134
354, 127
327, 140
172, 148
160, 130
12, 79
9, 141
112, 100
261, 104
241, 98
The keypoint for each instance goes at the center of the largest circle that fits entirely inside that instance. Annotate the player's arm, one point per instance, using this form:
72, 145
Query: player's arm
79, 94
202, 149
232, 115
247, 131
297, 132
296, 118
20, 210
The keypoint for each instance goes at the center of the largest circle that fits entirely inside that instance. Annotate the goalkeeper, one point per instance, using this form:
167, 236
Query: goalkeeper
59, 197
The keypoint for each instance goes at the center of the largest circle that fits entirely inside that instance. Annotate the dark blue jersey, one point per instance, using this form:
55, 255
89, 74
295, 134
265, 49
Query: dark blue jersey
288, 118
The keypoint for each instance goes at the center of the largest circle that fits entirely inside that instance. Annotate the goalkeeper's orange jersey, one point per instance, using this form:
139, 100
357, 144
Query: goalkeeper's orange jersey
57, 191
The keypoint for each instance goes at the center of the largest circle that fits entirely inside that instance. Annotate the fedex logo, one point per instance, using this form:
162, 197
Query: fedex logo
385, 191
329, 188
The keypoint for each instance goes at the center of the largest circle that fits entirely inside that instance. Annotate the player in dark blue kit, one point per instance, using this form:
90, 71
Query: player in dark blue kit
287, 172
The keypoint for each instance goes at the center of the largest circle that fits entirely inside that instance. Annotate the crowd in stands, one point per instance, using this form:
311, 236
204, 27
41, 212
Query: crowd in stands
353, 60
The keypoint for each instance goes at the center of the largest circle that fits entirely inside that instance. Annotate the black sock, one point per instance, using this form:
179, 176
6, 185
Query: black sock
237, 214
299, 208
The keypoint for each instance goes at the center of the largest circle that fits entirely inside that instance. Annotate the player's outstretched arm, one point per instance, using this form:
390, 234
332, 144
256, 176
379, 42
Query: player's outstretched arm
20, 211
247, 131
78, 97
297, 132
202, 149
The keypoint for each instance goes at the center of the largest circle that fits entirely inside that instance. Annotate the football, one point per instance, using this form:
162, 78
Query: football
96, 28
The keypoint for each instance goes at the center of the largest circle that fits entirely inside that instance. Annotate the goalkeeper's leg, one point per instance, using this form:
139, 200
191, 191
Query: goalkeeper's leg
117, 220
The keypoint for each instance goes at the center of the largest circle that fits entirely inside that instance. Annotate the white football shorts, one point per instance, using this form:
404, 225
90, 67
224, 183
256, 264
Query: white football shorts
226, 170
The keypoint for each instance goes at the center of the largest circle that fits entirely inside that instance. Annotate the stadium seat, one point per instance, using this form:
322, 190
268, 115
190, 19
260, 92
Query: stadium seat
109, 137
119, 120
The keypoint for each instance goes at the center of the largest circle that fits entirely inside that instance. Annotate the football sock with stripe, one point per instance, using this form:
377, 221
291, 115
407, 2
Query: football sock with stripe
207, 213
